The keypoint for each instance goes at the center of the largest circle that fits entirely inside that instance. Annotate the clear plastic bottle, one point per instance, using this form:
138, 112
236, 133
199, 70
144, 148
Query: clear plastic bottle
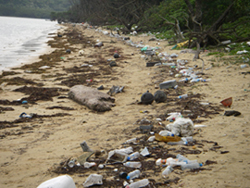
132, 164
187, 139
190, 166
134, 174
181, 158
177, 143
140, 183
174, 162
133, 156
182, 96
206, 80
196, 80
165, 133
132, 140
184, 80
167, 171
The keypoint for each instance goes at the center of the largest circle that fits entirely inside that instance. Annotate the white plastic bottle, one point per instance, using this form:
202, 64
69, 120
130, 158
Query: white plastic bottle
133, 156
134, 174
160, 161
182, 96
140, 183
167, 171
132, 164
191, 166
174, 162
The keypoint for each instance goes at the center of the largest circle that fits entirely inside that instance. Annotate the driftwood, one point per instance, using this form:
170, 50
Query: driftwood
92, 98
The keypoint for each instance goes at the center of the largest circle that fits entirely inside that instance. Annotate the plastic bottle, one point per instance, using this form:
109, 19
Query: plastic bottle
206, 80
140, 183
174, 162
133, 156
182, 96
134, 174
160, 161
132, 140
167, 171
191, 166
184, 80
165, 133
181, 157
177, 143
196, 80
132, 164
187, 139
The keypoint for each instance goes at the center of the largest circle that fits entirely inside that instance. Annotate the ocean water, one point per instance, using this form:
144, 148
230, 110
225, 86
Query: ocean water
22, 39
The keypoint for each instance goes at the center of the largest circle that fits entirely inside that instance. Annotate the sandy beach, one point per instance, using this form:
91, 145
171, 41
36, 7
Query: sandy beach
35, 149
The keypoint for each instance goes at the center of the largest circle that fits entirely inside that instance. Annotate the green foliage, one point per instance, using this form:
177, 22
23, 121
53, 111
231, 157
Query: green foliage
32, 8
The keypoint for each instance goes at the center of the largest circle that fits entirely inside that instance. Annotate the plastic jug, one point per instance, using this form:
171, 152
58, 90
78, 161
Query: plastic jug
59, 182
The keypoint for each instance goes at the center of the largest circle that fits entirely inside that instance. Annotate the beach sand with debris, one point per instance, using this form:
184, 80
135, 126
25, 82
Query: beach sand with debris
36, 149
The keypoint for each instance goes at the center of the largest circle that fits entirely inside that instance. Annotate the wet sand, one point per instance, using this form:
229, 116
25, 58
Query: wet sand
32, 149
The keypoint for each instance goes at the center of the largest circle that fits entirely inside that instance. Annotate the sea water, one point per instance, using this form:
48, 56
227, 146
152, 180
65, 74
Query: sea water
22, 39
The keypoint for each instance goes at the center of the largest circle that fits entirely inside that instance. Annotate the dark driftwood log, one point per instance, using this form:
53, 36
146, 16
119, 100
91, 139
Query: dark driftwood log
92, 98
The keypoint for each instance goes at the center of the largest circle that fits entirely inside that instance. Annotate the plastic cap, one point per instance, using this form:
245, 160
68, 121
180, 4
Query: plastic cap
201, 164
128, 177
128, 158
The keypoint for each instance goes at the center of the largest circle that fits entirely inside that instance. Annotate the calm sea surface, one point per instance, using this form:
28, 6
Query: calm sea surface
22, 39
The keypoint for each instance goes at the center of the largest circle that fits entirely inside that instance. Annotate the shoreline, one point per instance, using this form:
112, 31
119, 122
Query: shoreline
32, 150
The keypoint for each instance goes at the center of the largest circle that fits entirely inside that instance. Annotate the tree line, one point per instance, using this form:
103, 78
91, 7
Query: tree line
203, 21
32, 8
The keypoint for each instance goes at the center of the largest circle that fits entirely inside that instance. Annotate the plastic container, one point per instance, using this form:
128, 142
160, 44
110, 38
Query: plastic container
134, 174
140, 183
59, 182
167, 171
182, 96
133, 156
132, 164
191, 166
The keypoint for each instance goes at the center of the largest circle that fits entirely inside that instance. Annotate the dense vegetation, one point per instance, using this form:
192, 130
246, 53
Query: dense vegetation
204, 21
32, 8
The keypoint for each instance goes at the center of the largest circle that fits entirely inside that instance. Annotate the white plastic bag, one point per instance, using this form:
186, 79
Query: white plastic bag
181, 127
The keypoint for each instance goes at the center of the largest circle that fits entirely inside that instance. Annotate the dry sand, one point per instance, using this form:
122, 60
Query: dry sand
30, 150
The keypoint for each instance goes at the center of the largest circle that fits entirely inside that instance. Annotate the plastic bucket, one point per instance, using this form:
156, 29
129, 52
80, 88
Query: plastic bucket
59, 182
